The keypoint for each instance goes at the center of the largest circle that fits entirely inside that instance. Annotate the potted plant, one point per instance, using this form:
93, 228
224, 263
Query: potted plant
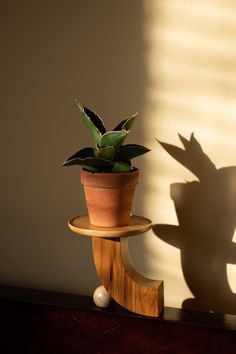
108, 177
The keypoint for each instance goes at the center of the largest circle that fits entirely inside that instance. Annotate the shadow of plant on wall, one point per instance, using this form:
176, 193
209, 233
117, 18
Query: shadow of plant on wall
206, 212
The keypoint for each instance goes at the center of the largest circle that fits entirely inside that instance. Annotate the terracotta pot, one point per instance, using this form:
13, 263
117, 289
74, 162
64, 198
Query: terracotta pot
109, 197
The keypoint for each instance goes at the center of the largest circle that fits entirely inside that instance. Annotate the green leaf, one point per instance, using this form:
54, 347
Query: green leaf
90, 168
121, 167
113, 138
82, 153
106, 152
93, 122
91, 163
130, 151
126, 124
96, 120
81, 164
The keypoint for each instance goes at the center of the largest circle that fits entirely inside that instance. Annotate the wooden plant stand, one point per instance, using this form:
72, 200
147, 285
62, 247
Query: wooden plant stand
125, 285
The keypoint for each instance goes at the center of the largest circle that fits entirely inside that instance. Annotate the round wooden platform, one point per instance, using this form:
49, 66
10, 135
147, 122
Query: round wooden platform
137, 225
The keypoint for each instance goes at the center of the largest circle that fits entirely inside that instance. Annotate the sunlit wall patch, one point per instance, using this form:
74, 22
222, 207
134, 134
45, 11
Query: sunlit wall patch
191, 69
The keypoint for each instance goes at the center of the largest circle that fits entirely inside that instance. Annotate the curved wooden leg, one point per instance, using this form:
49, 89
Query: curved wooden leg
125, 285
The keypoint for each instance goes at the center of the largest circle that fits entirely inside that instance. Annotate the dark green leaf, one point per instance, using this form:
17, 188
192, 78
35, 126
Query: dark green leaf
90, 162
121, 167
92, 122
106, 152
126, 124
96, 120
82, 154
90, 168
80, 163
130, 151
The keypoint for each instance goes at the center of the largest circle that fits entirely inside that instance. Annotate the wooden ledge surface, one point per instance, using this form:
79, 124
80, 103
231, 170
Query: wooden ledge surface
48, 298
137, 225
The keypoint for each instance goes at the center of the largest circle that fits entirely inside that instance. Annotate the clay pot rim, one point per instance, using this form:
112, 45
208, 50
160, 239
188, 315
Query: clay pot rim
110, 173
110, 180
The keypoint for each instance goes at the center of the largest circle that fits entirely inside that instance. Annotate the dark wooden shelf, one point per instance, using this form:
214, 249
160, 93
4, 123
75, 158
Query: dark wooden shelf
42, 322
196, 318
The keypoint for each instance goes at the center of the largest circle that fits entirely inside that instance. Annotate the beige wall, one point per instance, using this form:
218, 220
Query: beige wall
52, 52
191, 87
175, 64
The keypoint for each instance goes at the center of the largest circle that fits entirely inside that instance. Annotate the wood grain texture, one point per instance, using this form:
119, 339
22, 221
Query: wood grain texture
137, 225
113, 264
125, 285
